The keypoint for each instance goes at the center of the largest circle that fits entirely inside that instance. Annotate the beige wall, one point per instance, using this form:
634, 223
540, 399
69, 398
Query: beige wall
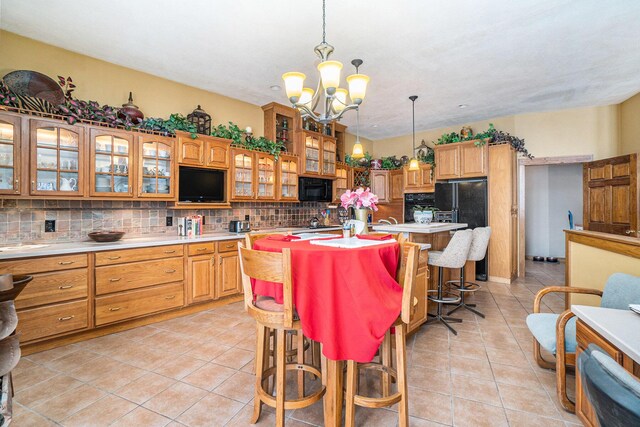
592, 130
350, 139
630, 125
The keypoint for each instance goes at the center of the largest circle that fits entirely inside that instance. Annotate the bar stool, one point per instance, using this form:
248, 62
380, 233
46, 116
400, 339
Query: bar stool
477, 252
407, 271
453, 256
273, 267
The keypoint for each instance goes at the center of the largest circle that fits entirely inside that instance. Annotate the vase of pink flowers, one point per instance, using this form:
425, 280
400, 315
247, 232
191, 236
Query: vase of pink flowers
362, 201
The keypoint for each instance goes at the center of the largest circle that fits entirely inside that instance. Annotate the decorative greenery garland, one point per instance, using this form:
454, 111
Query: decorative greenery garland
491, 136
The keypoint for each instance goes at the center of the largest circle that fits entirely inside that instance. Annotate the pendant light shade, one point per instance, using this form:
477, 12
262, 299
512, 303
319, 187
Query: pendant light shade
414, 165
340, 100
330, 75
306, 97
293, 84
357, 87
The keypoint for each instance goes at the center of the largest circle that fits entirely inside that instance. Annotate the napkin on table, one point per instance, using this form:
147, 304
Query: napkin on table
283, 237
369, 237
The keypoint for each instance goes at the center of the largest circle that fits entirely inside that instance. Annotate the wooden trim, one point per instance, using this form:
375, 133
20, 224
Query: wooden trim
123, 326
541, 161
623, 245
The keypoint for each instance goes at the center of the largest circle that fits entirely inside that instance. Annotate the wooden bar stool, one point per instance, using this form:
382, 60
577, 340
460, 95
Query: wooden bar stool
477, 252
273, 267
453, 256
407, 272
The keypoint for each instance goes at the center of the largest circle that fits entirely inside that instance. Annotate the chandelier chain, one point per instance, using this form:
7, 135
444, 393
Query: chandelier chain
324, 22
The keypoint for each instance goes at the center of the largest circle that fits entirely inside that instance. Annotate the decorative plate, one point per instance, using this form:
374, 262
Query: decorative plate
34, 90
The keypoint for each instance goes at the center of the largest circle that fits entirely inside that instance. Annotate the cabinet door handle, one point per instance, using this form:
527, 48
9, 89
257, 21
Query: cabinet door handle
115, 279
114, 308
201, 249
17, 186
129, 189
170, 297
33, 185
64, 319
114, 257
220, 263
65, 262
169, 252
65, 287
170, 271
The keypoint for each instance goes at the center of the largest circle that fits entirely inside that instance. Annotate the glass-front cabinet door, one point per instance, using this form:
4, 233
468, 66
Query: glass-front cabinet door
266, 176
311, 154
288, 180
57, 152
156, 167
341, 184
242, 168
9, 154
111, 163
328, 156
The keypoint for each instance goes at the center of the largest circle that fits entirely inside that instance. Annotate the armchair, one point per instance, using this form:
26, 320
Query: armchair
549, 329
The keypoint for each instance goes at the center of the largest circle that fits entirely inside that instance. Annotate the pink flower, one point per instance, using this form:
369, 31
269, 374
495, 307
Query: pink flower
360, 198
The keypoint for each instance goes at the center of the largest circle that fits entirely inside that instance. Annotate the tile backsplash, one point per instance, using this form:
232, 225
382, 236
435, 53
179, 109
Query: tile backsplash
23, 220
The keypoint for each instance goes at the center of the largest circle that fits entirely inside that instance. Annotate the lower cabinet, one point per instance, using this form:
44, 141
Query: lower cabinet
420, 293
200, 278
54, 319
228, 279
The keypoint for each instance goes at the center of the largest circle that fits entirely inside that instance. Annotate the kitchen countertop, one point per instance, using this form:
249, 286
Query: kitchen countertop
434, 227
620, 327
88, 245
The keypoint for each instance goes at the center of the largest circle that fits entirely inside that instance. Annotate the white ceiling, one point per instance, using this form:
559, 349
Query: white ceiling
500, 57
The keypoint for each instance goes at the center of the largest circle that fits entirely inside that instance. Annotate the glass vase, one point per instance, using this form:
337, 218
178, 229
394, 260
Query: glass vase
362, 215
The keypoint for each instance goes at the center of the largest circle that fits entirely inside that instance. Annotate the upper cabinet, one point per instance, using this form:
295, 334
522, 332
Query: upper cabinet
343, 181
203, 151
379, 180
288, 178
112, 163
57, 156
242, 174
318, 154
328, 156
280, 123
461, 160
10, 132
156, 167
396, 185
420, 181
611, 195
266, 179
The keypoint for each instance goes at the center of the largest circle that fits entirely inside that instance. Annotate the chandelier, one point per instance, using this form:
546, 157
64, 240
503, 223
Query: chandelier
306, 100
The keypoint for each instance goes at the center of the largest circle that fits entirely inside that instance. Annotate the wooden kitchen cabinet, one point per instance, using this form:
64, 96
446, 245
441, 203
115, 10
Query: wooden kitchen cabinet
420, 293
190, 150
112, 162
396, 185
266, 176
461, 160
157, 168
201, 278
310, 153
10, 159
58, 153
328, 156
379, 181
243, 184
203, 151
420, 181
343, 181
228, 275
287, 178
217, 153
611, 195
280, 124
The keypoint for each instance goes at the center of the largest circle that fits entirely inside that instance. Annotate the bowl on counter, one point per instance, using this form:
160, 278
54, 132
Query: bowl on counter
106, 236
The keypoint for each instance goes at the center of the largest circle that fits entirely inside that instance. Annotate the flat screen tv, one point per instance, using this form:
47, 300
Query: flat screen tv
201, 185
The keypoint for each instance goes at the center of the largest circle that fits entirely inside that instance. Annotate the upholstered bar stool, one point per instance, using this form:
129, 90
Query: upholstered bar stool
477, 252
454, 256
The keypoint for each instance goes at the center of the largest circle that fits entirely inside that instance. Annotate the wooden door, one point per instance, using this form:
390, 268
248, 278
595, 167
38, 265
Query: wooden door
228, 277
111, 167
266, 177
427, 183
156, 167
611, 198
473, 160
288, 178
57, 159
280, 122
328, 156
242, 174
10, 145
341, 183
412, 180
380, 185
311, 154
217, 153
200, 278
396, 184
447, 161
191, 151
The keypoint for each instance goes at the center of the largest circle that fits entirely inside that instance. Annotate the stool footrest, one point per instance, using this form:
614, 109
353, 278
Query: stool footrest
376, 402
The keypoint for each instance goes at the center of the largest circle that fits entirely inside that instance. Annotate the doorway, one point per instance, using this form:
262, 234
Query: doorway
548, 188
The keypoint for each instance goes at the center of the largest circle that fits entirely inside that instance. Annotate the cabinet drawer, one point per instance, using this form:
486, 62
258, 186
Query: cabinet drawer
51, 320
40, 265
48, 288
141, 254
585, 336
116, 278
201, 248
228, 246
131, 304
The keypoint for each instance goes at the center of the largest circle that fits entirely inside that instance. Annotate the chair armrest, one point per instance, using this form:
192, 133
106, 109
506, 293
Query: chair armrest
562, 289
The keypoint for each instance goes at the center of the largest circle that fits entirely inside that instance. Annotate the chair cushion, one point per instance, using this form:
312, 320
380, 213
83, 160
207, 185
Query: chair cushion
433, 256
268, 304
543, 328
620, 291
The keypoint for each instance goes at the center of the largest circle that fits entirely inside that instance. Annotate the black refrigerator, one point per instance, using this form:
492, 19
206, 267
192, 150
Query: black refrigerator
467, 200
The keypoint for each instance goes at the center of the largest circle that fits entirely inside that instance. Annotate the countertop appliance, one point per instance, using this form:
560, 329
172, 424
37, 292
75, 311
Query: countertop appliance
236, 226
416, 199
201, 185
315, 189
467, 202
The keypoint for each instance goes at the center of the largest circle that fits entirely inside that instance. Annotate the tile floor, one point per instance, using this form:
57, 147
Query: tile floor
197, 371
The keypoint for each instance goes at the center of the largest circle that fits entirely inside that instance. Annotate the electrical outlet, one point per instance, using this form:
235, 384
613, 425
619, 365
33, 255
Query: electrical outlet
203, 219
246, 217
49, 225
169, 221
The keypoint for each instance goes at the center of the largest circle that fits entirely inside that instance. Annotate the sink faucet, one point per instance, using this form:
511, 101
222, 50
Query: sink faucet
394, 220
385, 221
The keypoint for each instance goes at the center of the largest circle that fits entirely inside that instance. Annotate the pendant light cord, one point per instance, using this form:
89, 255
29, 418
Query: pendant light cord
357, 125
414, 126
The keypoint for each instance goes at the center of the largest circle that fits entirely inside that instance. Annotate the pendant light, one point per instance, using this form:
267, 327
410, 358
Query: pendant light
413, 163
358, 151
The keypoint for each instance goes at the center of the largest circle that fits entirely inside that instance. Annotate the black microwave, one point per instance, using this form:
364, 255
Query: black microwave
315, 190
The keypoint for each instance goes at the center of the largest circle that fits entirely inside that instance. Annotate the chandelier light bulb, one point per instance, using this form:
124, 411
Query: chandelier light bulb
339, 100
306, 97
357, 87
330, 75
293, 84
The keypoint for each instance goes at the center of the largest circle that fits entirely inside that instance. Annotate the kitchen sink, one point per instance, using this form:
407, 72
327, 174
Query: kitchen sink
21, 247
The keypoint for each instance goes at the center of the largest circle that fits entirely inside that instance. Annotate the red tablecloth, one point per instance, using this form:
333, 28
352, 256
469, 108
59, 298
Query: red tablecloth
345, 298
